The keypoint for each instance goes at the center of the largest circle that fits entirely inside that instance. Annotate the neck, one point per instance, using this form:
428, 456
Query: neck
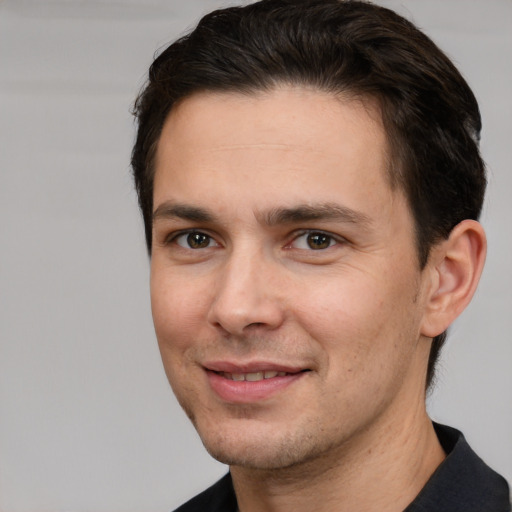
382, 470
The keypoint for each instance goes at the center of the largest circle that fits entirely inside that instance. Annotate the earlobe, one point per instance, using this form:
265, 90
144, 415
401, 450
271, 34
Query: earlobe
456, 265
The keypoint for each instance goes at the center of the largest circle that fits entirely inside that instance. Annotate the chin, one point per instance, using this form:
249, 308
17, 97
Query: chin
253, 457
261, 450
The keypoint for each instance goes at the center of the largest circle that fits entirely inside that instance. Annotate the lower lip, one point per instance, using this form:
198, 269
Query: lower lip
244, 392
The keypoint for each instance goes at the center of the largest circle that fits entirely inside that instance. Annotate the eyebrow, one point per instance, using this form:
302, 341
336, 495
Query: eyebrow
323, 211
273, 217
169, 210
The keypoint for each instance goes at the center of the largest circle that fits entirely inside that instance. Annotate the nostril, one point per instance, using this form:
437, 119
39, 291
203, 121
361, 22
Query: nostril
256, 324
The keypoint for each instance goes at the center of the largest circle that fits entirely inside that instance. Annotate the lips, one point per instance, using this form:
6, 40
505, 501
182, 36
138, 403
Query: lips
231, 367
250, 383
253, 376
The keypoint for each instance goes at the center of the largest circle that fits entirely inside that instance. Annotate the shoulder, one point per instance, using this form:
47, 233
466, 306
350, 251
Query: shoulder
463, 482
220, 497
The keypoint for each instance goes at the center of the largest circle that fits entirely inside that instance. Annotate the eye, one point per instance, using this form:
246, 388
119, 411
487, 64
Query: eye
194, 240
314, 240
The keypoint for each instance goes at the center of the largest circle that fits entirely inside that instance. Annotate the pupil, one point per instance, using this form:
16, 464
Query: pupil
198, 240
318, 241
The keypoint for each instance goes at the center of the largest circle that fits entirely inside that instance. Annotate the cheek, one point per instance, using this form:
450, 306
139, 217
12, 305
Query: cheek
177, 307
341, 307
358, 320
175, 317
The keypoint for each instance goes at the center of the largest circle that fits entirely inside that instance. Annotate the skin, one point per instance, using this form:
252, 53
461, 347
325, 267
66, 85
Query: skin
303, 258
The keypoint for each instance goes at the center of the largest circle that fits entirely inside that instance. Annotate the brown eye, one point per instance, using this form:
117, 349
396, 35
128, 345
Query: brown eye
317, 241
194, 240
198, 240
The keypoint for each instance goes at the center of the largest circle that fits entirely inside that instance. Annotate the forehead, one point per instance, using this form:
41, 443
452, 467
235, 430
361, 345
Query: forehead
286, 113
291, 143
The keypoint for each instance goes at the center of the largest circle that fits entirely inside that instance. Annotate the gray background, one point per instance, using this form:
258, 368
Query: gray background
87, 421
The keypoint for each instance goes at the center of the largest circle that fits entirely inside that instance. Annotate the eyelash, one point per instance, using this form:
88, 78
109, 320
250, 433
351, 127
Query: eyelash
174, 238
330, 238
326, 237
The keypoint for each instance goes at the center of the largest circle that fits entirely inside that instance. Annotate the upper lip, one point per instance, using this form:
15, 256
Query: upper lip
251, 367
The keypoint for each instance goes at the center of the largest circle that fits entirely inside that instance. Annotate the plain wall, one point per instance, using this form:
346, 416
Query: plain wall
87, 419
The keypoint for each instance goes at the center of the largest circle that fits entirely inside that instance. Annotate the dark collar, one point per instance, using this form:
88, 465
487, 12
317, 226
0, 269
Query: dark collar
462, 483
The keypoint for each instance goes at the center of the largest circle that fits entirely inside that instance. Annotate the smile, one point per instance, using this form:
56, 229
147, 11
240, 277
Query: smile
237, 385
253, 376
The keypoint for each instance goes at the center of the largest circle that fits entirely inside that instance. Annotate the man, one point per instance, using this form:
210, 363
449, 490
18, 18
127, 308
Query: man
310, 181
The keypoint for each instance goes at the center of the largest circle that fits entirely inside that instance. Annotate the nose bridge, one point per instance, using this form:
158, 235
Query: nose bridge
245, 292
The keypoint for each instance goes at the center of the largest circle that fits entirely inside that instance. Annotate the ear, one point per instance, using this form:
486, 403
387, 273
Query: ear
455, 267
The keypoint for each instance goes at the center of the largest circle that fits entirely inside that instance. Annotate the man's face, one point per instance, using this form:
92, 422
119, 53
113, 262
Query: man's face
285, 287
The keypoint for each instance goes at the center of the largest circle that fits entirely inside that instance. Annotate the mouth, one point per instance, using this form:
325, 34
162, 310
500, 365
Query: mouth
245, 384
254, 376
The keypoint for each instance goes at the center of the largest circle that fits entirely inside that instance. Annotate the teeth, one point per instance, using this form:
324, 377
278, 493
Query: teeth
254, 376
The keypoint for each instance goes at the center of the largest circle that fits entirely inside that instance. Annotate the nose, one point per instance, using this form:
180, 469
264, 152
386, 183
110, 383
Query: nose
247, 296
